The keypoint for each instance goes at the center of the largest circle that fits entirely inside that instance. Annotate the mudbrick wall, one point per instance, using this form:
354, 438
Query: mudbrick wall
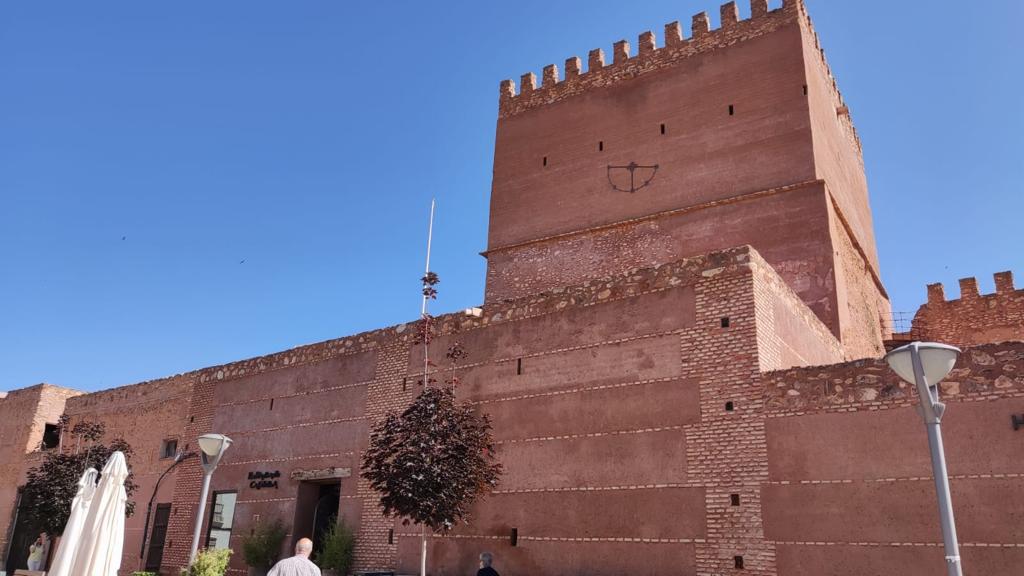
973, 318
850, 490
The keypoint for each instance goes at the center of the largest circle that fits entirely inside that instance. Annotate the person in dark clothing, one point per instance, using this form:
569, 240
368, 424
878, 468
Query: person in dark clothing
485, 565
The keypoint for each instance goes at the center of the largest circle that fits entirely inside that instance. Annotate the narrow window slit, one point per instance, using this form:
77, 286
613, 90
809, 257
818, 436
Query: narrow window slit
805, 89
515, 537
519, 366
662, 128
545, 160
735, 498
600, 146
738, 560
271, 403
391, 535
732, 110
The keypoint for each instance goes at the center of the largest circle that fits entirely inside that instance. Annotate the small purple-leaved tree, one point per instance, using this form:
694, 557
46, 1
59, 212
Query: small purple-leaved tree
433, 461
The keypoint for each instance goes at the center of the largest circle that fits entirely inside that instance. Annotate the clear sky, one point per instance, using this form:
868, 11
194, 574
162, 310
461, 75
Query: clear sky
184, 184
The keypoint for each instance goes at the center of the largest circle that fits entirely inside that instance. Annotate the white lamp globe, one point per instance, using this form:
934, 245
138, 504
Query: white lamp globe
936, 359
213, 444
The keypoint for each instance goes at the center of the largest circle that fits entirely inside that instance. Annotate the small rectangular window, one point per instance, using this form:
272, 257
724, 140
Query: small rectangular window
51, 436
805, 89
515, 537
271, 403
729, 406
732, 110
545, 161
735, 499
662, 128
738, 561
519, 366
725, 322
168, 448
391, 535
600, 146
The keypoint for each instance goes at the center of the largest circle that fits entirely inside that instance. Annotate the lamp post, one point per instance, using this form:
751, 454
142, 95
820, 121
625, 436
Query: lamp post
924, 364
211, 448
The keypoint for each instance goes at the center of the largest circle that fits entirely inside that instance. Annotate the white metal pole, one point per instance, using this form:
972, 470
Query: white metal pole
932, 412
199, 516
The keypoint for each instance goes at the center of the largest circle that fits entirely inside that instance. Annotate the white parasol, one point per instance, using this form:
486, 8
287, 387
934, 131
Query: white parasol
69, 541
99, 550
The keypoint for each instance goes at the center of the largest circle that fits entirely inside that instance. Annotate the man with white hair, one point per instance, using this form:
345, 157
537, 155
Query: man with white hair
298, 565
485, 565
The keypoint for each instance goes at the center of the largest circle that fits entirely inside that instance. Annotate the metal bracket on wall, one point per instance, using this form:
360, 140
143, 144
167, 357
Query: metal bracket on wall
632, 168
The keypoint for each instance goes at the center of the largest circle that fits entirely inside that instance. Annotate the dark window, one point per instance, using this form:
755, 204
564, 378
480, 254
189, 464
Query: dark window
735, 498
391, 535
662, 128
51, 436
271, 403
168, 448
729, 406
515, 536
222, 519
731, 110
405, 384
739, 561
600, 146
725, 322
805, 89
519, 366
545, 160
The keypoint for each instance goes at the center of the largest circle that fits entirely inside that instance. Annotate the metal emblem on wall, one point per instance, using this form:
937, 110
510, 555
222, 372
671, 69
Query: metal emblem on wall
631, 177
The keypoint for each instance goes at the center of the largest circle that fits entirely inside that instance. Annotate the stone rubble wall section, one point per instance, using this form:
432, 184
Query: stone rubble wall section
986, 372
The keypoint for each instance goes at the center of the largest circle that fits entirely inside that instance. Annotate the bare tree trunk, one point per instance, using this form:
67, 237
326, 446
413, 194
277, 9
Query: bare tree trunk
423, 551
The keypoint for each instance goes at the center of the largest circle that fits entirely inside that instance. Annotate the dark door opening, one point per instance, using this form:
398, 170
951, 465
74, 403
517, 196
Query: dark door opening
316, 510
159, 534
22, 536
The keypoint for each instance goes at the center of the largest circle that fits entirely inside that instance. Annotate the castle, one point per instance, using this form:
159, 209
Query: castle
679, 349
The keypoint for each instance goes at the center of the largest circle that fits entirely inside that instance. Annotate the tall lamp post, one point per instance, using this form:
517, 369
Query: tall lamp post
924, 364
211, 448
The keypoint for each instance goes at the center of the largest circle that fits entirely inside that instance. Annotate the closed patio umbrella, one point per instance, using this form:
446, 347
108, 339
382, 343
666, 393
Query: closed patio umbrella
69, 541
99, 551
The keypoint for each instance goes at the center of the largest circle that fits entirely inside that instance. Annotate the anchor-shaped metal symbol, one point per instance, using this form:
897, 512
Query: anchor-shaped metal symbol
632, 167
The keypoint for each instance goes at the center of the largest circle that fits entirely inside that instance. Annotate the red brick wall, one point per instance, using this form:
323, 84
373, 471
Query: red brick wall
778, 173
24, 414
850, 489
973, 318
145, 415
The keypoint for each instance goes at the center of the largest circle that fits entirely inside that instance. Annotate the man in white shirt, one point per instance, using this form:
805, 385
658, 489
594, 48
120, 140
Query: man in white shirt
298, 565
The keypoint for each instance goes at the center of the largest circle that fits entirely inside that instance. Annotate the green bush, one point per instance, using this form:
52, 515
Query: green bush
263, 547
209, 563
145, 574
339, 547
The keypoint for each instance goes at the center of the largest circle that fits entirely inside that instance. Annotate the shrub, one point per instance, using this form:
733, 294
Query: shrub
145, 574
263, 548
339, 547
209, 563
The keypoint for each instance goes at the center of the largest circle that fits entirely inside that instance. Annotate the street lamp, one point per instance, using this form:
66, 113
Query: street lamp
211, 448
924, 364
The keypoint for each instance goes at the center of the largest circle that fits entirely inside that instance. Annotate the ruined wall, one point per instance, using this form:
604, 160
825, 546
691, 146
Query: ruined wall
145, 415
850, 489
973, 318
24, 414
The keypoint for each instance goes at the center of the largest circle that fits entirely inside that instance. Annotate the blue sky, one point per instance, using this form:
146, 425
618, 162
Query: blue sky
186, 184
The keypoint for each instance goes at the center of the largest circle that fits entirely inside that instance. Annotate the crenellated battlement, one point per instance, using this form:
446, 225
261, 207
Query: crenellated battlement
969, 288
650, 57
973, 318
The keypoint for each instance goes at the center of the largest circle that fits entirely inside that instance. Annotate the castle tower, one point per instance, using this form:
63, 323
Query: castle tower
738, 135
